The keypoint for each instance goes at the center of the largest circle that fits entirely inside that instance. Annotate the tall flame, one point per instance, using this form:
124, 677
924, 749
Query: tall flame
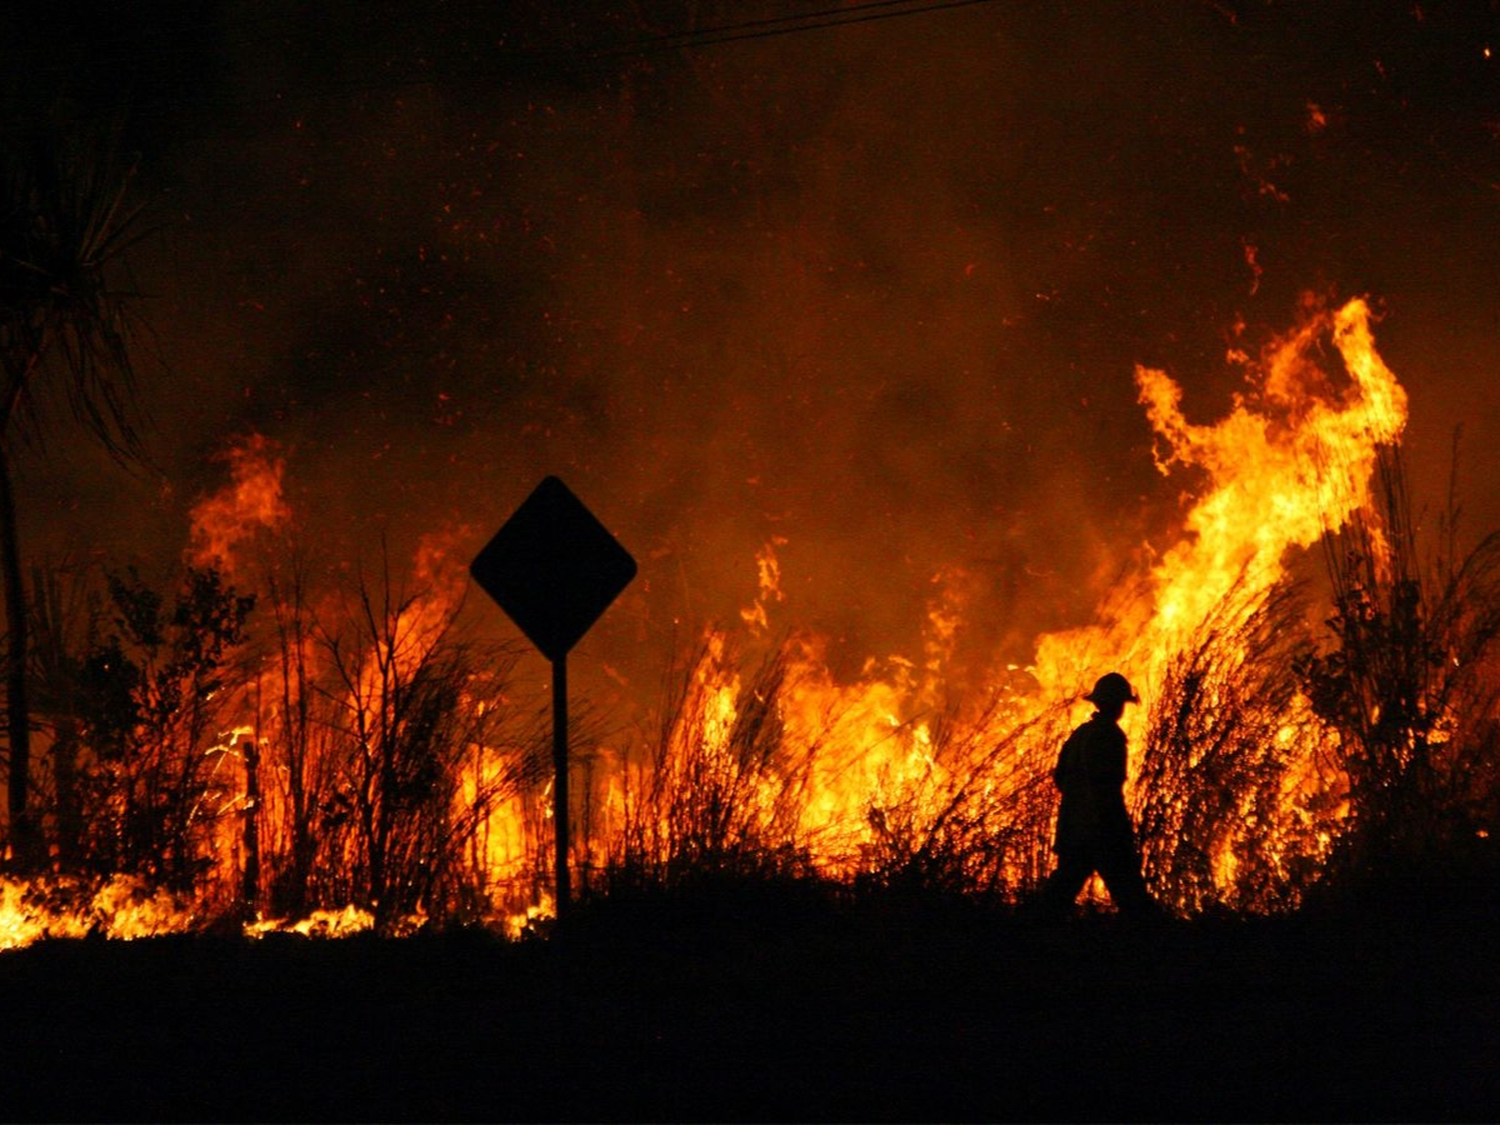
1290, 463
1287, 466
851, 774
252, 501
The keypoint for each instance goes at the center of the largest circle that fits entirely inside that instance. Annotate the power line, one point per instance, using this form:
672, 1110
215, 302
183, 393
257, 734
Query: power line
781, 25
503, 62
869, 12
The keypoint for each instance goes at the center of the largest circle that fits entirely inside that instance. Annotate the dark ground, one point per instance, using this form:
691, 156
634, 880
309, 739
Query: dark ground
773, 1005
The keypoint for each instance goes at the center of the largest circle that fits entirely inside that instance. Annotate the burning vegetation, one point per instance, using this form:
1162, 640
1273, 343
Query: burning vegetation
931, 360
254, 744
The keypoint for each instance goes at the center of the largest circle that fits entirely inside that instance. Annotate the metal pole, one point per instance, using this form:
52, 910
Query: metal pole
560, 779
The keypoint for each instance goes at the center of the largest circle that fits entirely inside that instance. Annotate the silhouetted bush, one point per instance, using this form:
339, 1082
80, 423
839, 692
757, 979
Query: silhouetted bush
403, 714
362, 751
151, 695
1411, 684
719, 790
1229, 808
978, 820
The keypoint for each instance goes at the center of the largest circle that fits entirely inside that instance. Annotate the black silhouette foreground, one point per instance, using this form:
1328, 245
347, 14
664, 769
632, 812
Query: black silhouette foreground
1094, 832
753, 1001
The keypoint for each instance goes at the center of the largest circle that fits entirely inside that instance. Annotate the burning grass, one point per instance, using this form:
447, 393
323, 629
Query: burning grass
359, 759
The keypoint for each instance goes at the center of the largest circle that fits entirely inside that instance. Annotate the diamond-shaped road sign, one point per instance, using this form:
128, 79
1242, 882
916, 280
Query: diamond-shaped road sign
553, 568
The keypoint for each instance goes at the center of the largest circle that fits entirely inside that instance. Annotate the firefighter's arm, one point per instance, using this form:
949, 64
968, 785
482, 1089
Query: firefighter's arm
1061, 773
1117, 760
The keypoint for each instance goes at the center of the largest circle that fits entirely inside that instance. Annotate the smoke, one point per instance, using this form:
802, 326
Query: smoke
876, 291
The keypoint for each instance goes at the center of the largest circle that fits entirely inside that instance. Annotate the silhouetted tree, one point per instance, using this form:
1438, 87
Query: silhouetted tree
293, 707
406, 701
64, 332
153, 693
63, 612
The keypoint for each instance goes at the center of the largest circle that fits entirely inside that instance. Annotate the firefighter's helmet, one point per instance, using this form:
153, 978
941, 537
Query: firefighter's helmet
1112, 688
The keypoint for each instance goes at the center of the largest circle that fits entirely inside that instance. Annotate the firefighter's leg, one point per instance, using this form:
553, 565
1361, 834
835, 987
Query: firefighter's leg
1067, 879
1120, 867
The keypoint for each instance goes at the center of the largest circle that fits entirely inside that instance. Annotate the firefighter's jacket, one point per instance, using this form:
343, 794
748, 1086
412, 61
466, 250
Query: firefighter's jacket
1090, 772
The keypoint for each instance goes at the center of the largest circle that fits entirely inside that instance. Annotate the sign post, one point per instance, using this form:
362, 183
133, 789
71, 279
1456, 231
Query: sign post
563, 882
554, 568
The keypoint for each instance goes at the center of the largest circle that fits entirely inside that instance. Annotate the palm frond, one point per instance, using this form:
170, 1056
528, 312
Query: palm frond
66, 321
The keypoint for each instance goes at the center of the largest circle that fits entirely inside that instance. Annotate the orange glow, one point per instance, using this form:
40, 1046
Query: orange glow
122, 908
764, 750
252, 501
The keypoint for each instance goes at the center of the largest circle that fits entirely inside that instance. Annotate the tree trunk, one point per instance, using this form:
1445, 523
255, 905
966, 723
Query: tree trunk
69, 824
23, 841
250, 888
295, 720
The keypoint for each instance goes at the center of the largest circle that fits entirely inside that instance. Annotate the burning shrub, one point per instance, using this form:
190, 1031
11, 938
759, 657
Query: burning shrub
405, 705
151, 697
1411, 684
378, 761
779, 776
1231, 805
720, 790
978, 819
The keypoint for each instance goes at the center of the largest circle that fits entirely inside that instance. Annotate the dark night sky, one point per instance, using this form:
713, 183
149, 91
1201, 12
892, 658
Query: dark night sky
876, 289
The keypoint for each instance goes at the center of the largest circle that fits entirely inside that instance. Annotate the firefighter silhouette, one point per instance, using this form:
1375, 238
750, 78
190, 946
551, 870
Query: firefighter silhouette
1094, 832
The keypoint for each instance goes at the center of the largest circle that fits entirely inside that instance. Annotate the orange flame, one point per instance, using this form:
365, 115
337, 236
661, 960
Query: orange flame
1287, 466
252, 501
824, 764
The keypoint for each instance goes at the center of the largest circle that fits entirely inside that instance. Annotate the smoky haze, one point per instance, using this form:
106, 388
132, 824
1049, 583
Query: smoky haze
871, 293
